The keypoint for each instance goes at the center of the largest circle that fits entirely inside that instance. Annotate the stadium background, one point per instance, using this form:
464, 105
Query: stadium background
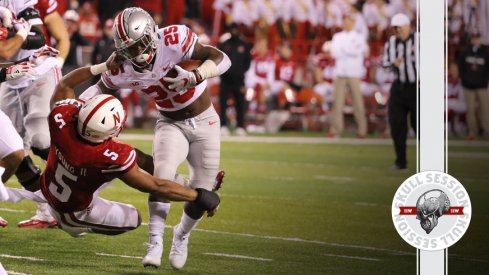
290, 204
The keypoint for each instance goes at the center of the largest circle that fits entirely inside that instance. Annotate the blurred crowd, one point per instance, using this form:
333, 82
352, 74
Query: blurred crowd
288, 79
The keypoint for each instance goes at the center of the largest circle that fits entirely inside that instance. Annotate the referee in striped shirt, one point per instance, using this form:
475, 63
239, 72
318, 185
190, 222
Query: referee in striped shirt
400, 56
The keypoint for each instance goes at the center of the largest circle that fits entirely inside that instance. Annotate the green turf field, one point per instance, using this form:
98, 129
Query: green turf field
286, 209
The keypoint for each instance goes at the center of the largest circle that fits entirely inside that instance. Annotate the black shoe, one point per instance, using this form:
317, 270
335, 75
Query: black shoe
398, 168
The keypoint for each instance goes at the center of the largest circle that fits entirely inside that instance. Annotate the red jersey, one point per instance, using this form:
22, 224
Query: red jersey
46, 7
284, 70
326, 64
262, 64
454, 88
76, 169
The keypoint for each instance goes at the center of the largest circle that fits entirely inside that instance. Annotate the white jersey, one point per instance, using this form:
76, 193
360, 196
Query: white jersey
175, 44
17, 6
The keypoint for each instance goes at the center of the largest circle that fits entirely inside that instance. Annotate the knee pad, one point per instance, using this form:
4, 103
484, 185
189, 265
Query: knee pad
29, 174
42, 153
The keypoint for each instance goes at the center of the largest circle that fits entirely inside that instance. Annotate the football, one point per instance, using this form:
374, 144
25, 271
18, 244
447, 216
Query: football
188, 65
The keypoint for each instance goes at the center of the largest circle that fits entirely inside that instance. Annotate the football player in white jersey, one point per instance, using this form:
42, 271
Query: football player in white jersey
26, 100
188, 127
11, 145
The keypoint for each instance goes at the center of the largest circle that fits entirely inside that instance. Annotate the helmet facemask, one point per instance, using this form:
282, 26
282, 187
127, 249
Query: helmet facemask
141, 53
135, 36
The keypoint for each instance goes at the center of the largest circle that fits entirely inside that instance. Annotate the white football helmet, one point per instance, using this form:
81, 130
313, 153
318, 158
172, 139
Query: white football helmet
135, 36
101, 118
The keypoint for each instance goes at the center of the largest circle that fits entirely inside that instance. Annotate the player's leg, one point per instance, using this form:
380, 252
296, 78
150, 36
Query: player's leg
101, 217
203, 160
11, 152
36, 99
170, 148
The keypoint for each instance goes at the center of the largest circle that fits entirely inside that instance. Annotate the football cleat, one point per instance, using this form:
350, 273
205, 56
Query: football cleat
37, 223
153, 255
219, 180
3, 222
179, 249
42, 219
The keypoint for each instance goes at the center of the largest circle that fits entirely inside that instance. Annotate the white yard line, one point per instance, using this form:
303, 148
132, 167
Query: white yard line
290, 140
13, 210
120, 256
304, 241
239, 257
314, 140
334, 179
11, 272
351, 257
299, 240
34, 259
292, 239
369, 204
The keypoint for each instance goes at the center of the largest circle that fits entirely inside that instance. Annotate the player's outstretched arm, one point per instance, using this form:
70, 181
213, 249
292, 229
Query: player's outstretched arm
113, 62
169, 190
64, 89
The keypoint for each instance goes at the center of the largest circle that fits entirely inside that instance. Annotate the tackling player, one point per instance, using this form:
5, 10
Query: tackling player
188, 127
83, 157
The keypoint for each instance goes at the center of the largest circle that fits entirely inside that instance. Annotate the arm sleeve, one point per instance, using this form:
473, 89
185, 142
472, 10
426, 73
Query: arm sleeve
35, 41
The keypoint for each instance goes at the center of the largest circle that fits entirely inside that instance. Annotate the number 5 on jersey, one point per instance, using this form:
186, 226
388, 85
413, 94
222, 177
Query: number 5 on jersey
60, 189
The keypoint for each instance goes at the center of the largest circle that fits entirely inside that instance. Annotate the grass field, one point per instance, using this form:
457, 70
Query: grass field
286, 209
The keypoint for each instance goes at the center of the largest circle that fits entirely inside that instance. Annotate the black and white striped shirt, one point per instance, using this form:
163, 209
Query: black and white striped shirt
407, 50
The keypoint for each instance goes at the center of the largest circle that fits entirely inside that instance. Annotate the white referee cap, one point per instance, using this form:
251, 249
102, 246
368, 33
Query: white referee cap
399, 20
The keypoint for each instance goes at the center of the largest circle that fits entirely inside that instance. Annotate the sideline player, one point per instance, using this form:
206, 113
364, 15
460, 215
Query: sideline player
188, 126
83, 157
11, 144
26, 102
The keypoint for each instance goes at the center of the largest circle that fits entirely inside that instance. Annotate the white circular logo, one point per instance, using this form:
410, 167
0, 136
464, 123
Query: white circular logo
431, 210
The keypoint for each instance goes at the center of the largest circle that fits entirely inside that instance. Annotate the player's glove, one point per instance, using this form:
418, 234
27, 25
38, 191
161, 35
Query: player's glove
208, 200
115, 60
19, 70
39, 56
70, 101
22, 27
182, 81
6, 16
3, 33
